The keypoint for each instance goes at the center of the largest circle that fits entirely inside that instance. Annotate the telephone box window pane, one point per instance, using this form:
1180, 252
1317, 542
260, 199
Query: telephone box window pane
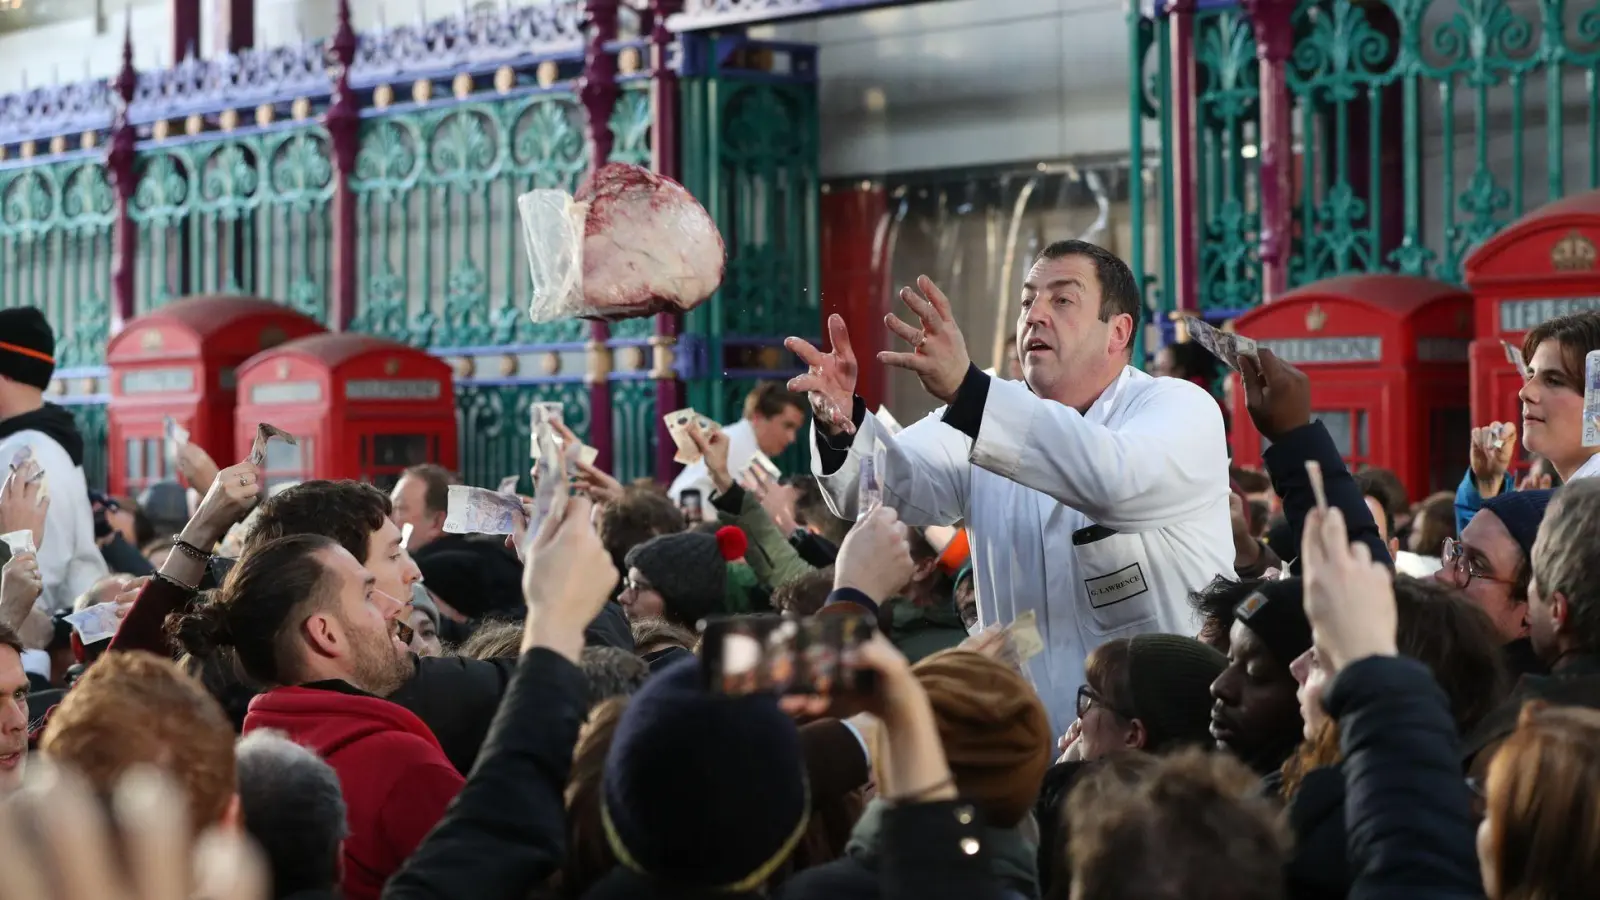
399, 450
384, 481
135, 460
287, 464
1338, 424
283, 456
155, 455
1448, 431
1361, 434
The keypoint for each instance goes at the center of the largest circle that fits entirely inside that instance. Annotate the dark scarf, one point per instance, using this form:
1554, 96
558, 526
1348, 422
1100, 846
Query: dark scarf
53, 422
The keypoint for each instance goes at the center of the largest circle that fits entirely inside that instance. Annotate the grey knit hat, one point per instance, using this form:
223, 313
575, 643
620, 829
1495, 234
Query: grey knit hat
1170, 680
687, 570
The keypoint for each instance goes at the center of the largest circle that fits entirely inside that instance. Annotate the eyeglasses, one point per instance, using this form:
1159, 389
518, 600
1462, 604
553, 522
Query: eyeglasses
636, 585
1087, 697
1462, 567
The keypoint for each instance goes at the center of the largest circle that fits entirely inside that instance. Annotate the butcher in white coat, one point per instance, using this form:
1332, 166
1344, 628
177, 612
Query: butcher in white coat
1095, 495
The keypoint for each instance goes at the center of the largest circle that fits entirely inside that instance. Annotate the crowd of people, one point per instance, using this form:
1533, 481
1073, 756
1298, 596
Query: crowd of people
1246, 688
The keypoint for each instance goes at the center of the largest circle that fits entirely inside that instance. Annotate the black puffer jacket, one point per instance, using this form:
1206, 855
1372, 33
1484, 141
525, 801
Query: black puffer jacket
1318, 868
1408, 811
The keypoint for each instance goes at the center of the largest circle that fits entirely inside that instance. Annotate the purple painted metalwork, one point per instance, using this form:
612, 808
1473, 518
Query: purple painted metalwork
1186, 272
62, 109
1274, 43
343, 121
702, 15
476, 41
124, 179
598, 92
670, 394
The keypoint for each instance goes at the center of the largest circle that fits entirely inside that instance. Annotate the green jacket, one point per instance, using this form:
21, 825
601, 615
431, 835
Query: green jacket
773, 558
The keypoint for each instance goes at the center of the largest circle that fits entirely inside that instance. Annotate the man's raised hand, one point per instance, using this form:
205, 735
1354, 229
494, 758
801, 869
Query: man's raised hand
938, 351
830, 378
1277, 395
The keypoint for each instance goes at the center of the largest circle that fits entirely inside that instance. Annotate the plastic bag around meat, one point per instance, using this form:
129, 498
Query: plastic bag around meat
631, 243
552, 234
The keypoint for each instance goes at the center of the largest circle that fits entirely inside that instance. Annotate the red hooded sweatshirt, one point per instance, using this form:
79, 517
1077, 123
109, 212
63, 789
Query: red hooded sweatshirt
396, 779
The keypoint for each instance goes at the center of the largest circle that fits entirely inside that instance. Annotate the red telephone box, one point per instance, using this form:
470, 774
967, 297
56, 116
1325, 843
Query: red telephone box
362, 407
180, 361
1542, 266
1387, 359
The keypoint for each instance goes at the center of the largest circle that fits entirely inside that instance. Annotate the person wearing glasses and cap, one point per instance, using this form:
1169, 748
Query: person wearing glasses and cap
69, 558
1492, 564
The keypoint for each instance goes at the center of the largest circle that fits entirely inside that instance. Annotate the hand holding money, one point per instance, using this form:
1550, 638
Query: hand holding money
24, 502
564, 439
475, 510
1224, 345
265, 433
597, 485
20, 585
875, 557
566, 580
1277, 395
677, 423
1494, 446
233, 493
713, 447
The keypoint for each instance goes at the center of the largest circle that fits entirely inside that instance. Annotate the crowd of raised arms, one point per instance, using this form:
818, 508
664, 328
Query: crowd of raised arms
1047, 642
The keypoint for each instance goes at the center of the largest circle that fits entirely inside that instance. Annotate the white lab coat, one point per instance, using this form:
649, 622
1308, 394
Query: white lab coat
1149, 461
69, 560
742, 449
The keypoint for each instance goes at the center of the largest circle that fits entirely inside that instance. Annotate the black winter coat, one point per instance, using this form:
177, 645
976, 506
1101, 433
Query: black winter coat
1318, 868
1409, 816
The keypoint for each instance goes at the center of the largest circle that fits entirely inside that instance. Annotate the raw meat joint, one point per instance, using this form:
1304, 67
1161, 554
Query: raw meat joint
631, 243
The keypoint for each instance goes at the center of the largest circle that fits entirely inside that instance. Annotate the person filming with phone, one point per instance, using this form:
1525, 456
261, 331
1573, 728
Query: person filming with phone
1095, 495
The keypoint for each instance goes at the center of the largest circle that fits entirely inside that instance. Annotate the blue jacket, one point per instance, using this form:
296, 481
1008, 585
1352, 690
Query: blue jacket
1469, 499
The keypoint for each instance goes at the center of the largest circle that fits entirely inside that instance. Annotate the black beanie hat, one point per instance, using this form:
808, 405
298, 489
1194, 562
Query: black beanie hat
1521, 512
27, 346
688, 570
703, 790
1276, 613
1170, 677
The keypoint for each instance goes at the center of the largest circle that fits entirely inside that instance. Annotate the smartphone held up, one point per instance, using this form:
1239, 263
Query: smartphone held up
784, 655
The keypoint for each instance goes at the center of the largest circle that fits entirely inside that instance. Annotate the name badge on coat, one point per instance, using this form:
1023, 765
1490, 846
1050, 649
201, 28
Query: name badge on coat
1114, 570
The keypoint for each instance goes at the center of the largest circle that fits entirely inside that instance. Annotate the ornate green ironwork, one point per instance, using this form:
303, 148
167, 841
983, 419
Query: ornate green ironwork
1423, 127
634, 423
242, 215
494, 426
55, 252
750, 148
1226, 122
92, 424
440, 259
